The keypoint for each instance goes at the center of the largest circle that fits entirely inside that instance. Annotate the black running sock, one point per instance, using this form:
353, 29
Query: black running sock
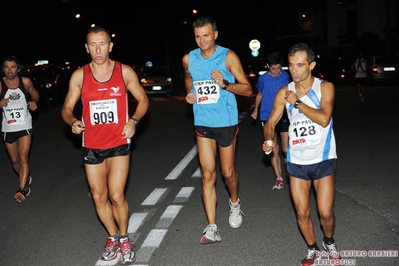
124, 236
116, 236
329, 240
314, 246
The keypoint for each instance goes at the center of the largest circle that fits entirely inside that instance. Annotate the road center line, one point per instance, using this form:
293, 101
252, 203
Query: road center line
154, 197
174, 174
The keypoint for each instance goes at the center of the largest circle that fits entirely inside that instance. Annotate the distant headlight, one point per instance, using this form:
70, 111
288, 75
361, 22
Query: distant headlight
48, 85
260, 73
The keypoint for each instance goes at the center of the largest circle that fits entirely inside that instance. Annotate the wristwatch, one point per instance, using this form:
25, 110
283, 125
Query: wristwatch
297, 103
226, 84
136, 121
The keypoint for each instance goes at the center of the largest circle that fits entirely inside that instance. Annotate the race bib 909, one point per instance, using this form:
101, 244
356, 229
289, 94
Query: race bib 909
103, 112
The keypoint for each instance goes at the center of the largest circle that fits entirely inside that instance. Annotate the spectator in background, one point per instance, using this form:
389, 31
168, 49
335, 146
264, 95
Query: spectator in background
268, 85
360, 68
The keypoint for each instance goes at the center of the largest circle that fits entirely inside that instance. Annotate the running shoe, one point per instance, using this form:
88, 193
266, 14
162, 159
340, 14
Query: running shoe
313, 254
279, 184
29, 181
128, 250
333, 253
235, 218
210, 235
27, 187
111, 249
21, 195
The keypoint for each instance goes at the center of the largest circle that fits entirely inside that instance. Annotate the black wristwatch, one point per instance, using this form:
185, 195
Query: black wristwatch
226, 84
297, 103
136, 122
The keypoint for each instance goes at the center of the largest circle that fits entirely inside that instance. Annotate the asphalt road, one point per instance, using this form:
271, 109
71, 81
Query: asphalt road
57, 225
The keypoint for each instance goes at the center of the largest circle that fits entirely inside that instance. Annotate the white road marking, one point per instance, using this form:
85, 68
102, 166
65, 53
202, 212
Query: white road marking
197, 173
154, 238
151, 243
168, 216
184, 194
171, 212
135, 221
183, 164
154, 197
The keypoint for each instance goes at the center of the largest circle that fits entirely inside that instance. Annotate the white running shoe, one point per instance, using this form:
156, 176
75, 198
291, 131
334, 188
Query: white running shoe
27, 187
128, 250
210, 235
111, 249
279, 184
235, 218
311, 257
333, 253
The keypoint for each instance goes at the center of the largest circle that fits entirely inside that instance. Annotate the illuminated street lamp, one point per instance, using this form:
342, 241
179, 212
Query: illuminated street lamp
254, 45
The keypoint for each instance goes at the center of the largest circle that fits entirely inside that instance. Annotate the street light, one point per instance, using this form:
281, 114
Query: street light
254, 45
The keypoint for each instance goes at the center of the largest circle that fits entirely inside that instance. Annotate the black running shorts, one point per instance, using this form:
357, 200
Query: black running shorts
224, 136
11, 137
282, 125
97, 156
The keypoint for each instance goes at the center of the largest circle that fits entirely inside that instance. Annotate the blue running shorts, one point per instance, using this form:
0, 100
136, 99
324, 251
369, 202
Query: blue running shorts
312, 171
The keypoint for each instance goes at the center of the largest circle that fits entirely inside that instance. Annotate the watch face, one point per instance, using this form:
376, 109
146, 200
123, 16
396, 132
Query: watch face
135, 120
226, 83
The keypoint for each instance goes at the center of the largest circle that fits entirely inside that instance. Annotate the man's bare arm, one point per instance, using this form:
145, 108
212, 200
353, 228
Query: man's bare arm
73, 95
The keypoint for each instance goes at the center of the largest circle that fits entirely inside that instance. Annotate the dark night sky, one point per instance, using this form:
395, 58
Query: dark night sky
47, 29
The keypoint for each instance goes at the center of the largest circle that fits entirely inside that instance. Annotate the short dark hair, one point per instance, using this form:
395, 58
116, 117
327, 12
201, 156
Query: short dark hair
274, 59
11, 58
202, 21
300, 47
97, 29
